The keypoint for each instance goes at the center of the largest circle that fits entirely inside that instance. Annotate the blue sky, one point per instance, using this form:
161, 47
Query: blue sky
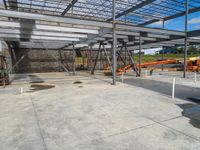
178, 23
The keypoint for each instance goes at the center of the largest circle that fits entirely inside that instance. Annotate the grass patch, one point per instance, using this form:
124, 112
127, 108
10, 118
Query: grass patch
150, 58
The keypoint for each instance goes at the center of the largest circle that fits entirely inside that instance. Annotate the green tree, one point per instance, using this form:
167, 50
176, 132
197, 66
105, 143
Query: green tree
192, 50
180, 50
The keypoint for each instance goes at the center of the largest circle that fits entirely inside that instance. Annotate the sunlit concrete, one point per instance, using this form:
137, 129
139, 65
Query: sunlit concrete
93, 114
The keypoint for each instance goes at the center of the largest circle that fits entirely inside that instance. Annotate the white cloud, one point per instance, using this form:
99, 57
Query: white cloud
197, 27
194, 20
159, 23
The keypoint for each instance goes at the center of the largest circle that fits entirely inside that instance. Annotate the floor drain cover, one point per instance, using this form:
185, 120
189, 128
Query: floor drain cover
36, 87
78, 82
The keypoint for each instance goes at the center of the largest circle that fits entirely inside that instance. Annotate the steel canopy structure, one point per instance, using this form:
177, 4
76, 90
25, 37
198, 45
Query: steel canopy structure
134, 11
70, 22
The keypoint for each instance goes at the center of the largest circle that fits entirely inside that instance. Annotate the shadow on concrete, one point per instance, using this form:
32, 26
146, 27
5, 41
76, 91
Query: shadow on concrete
35, 79
181, 91
191, 111
39, 87
18, 77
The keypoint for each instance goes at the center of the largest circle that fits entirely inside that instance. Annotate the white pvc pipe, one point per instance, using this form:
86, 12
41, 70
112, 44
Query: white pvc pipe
146, 73
122, 77
22, 90
195, 77
173, 88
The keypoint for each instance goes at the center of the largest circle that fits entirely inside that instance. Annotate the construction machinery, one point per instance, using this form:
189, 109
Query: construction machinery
162, 62
4, 77
126, 68
193, 64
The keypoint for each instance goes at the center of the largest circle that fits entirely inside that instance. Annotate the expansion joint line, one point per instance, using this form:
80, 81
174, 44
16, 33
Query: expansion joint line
155, 122
37, 122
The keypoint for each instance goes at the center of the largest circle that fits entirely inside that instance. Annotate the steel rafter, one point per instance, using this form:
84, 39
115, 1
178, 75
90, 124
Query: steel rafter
172, 16
69, 7
133, 8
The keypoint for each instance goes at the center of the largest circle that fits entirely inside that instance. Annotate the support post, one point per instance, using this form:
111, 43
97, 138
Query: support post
74, 59
163, 26
107, 57
12, 68
60, 58
186, 42
100, 66
119, 55
96, 59
140, 51
131, 60
195, 76
63, 66
122, 77
173, 88
125, 57
90, 58
114, 44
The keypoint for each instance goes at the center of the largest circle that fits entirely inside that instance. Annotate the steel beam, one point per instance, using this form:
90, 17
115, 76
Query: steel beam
131, 60
101, 32
41, 17
73, 2
134, 28
149, 46
119, 55
158, 36
119, 36
145, 38
172, 16
48, 44
40, 33
29, 37
18, 25
133, 8
194, 33
33, 16
127, 33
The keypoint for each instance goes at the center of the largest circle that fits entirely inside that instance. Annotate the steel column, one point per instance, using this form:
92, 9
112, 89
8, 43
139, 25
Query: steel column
186, 38
114, 43
100, 66
163, 26
140, 51
74, 58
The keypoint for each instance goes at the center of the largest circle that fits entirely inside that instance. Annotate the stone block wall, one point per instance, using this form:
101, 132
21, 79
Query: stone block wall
49, 61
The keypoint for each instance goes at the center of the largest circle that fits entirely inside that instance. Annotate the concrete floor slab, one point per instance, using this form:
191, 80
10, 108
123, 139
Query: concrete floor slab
153, 137
90, 115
